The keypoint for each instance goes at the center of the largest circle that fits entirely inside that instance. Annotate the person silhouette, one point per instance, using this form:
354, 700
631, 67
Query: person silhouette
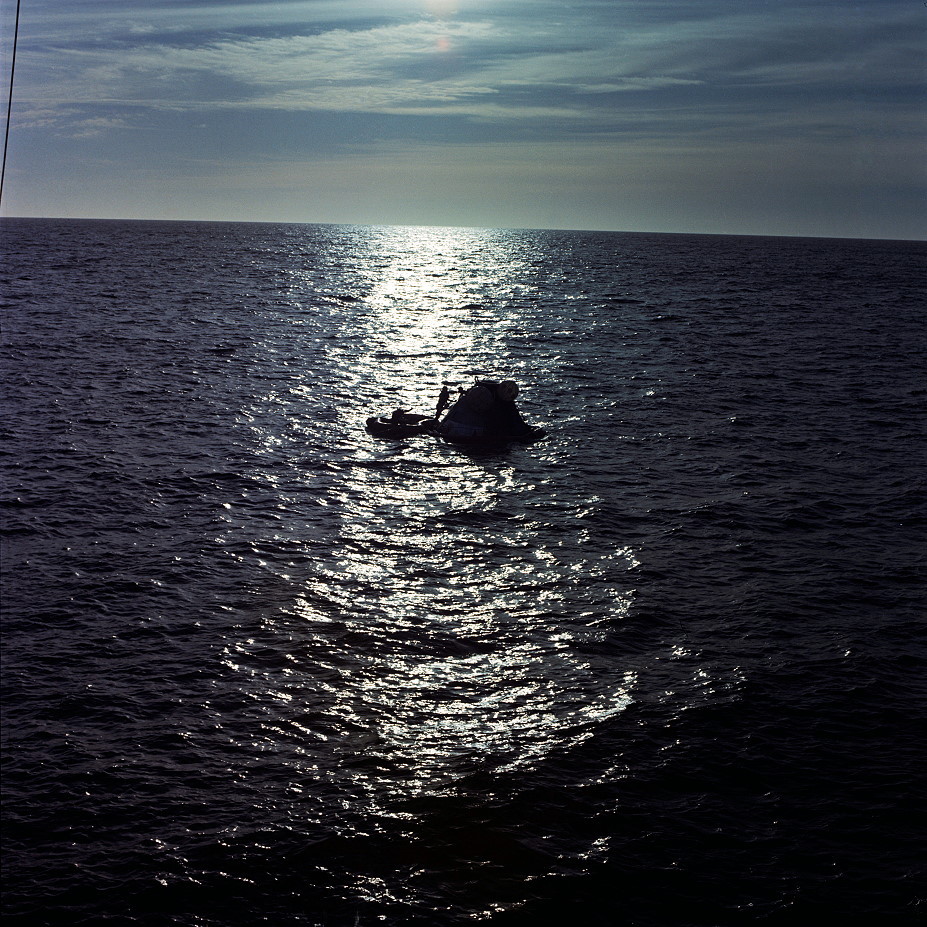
444, 400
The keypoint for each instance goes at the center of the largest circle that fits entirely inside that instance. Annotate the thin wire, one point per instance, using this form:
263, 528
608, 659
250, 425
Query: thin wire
9, 102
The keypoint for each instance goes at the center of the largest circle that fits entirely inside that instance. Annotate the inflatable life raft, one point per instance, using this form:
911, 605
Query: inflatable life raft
485, 414
401, 424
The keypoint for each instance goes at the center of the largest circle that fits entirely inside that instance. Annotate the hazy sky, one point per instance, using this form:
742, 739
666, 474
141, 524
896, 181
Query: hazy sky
784, 117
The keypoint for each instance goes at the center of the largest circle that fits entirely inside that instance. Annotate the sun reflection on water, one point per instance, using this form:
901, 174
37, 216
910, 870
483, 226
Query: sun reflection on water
468, 633
434, 609
432, 305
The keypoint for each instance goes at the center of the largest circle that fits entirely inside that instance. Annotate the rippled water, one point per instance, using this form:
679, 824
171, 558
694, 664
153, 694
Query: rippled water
665, 667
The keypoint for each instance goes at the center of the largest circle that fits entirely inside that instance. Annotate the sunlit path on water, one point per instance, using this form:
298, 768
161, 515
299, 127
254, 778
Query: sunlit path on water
432, 623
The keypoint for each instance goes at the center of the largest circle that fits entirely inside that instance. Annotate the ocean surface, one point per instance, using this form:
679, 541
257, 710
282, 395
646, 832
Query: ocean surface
665, 667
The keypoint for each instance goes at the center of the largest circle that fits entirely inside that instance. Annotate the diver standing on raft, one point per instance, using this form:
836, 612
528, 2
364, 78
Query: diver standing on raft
444, 400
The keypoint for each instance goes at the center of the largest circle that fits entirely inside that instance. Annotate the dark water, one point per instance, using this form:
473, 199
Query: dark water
665, 668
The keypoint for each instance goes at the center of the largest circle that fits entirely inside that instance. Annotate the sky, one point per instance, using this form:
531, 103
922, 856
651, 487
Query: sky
787, 117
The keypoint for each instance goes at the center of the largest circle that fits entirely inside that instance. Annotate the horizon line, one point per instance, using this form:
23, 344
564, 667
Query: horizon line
483, 228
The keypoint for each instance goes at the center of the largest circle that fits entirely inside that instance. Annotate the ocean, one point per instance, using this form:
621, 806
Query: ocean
664, 667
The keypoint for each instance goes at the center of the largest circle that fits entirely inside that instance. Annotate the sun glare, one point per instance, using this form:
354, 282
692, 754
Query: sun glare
443, 9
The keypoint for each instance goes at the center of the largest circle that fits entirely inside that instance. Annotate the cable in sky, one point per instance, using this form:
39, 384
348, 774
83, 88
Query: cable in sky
9, 102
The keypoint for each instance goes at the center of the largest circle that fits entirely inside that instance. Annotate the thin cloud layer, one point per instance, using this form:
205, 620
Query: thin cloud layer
427, 73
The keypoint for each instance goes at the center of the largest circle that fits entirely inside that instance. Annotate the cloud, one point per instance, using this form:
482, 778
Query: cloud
543, 65
95, 125
636, 93
352, 70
